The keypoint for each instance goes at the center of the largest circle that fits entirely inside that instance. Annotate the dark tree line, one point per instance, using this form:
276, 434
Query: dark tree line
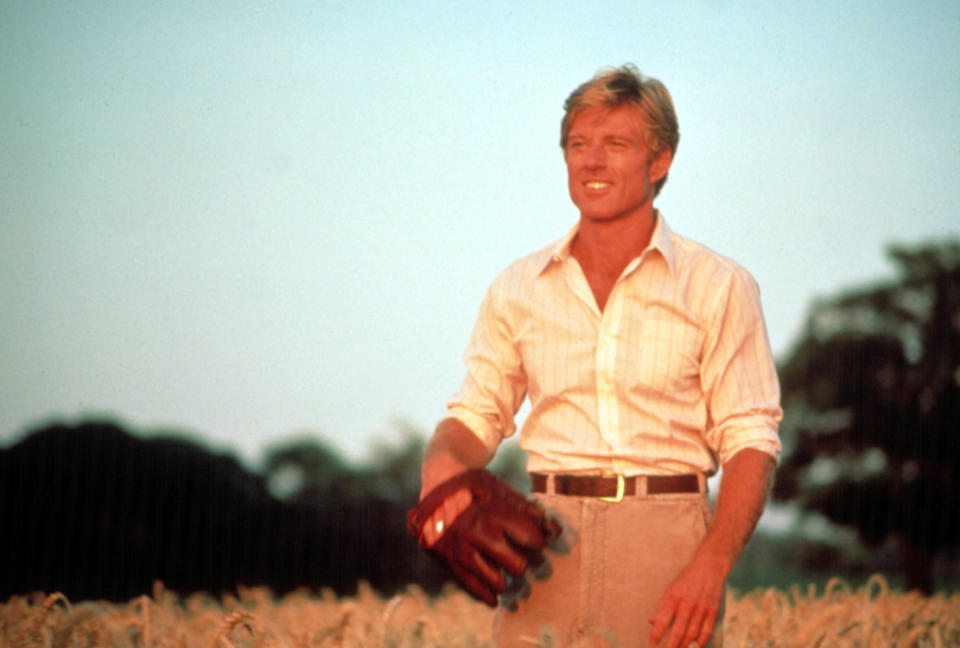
871, 395
96, 512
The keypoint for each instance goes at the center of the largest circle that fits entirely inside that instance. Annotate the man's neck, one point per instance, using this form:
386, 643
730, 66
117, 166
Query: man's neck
606, 247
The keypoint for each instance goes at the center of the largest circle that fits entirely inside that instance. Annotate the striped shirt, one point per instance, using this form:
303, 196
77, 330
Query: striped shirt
675, 375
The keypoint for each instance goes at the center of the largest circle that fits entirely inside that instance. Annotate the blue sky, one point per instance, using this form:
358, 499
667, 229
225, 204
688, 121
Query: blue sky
251, 220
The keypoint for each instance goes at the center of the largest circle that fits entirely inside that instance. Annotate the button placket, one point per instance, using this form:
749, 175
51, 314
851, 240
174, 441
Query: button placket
606, 362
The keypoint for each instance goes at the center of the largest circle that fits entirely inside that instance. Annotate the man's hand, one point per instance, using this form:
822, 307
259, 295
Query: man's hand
500, 532
445, 515
691, 604
454, 449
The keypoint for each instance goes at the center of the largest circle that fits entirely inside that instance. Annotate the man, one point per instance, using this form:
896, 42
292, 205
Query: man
647, 364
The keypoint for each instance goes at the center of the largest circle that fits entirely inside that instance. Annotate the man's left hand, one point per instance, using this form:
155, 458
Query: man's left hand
690, 605
693, 601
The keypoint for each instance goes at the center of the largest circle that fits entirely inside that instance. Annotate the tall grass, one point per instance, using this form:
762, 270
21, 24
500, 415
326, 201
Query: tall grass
871, 616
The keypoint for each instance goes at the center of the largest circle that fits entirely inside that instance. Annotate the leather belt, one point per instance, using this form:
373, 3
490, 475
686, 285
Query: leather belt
616, 488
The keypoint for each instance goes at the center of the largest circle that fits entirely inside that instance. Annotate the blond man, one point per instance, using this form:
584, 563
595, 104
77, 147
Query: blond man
646, 361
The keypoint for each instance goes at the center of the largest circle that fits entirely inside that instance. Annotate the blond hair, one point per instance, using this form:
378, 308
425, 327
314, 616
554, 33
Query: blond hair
614, 87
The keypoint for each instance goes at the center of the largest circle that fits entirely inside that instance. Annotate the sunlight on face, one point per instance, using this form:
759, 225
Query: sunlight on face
609, 173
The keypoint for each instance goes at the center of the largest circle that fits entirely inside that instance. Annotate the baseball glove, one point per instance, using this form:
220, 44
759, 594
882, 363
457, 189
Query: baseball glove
500, 531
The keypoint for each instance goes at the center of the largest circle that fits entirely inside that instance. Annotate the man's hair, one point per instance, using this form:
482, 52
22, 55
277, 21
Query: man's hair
614, 87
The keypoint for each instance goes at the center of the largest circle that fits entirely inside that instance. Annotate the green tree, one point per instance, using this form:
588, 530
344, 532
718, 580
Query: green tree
871, 392
306, 464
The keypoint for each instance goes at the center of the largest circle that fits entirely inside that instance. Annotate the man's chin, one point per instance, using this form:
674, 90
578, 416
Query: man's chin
607, 217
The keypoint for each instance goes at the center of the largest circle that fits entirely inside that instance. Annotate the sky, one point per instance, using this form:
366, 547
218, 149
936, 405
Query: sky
256, 220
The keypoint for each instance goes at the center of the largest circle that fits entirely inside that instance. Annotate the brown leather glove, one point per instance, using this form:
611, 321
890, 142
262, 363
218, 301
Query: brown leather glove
499, 531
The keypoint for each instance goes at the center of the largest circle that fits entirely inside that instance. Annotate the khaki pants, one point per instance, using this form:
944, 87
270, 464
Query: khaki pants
603, 590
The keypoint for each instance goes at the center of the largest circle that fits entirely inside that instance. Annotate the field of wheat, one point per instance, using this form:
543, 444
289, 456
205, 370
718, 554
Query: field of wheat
869, 617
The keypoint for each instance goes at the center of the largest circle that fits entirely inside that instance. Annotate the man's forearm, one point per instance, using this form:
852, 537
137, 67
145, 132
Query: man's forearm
744, 487
453, 449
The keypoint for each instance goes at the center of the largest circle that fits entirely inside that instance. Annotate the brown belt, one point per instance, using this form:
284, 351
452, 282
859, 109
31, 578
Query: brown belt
616, 488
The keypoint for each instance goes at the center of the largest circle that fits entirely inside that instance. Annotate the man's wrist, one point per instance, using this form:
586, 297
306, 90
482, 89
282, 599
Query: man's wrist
452, 450
437, 469
720, 559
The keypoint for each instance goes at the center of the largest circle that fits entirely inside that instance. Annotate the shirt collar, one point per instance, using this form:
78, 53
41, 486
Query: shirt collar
660, 240
559, 251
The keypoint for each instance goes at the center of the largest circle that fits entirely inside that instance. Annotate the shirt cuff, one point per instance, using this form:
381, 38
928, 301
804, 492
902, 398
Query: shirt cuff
771, 448
489, 436
758, 432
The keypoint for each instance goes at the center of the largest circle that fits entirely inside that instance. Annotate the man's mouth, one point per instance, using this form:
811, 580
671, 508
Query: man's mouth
597, 184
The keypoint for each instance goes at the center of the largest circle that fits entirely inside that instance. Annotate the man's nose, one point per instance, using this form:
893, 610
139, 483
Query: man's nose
596, 157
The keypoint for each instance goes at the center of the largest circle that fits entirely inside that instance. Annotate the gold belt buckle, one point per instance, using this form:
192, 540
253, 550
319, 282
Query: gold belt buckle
620, 488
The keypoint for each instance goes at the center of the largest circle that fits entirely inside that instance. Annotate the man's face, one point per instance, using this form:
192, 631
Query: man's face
609, 172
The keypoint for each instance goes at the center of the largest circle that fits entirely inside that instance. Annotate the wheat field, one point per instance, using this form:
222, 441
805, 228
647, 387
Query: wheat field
870, 617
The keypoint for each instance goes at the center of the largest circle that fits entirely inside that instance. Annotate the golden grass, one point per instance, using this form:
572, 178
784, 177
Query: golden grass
869, 617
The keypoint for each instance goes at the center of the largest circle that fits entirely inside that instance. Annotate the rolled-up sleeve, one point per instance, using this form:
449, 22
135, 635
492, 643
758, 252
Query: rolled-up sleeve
738, 374
495, 383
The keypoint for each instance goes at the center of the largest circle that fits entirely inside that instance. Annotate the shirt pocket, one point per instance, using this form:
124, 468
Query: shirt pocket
664, 357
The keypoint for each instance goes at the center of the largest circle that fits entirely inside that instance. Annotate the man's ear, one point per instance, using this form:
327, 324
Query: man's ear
660, 165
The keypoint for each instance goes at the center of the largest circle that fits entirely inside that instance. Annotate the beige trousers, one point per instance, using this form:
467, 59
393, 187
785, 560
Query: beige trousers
605, 585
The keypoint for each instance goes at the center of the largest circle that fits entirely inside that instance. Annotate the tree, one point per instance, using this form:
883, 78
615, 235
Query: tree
871, 393
94, 510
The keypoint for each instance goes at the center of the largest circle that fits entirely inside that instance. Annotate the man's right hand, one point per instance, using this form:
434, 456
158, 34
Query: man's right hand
452, 450
499, 531
444, 516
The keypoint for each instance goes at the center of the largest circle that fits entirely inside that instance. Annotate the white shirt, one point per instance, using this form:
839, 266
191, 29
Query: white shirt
674, 376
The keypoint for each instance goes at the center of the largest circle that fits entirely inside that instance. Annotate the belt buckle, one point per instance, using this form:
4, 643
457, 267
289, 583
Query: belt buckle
620, 488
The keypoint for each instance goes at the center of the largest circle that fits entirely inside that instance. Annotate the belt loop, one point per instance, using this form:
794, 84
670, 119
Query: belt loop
641, 485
